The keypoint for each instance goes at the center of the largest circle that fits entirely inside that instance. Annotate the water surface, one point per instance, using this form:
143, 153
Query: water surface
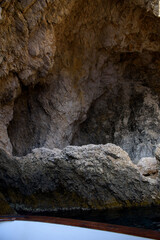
144, 217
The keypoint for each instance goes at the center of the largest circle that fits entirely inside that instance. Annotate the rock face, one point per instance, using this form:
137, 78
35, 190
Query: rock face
157, 153
75, 72
148, 166
79, 72
87, 177
127, 115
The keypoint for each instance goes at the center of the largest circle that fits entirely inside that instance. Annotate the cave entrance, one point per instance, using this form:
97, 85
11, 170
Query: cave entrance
104, 85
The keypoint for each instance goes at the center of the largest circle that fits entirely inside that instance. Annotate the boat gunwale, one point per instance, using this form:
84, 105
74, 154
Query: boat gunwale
138, 232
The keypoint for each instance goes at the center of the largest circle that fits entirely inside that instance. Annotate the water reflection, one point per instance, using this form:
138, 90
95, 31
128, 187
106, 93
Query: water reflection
144, 217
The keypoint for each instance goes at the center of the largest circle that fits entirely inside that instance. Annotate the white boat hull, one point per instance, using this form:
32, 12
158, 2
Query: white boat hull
27, 230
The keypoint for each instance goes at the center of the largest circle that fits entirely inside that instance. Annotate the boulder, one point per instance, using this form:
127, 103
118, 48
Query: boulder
87, 177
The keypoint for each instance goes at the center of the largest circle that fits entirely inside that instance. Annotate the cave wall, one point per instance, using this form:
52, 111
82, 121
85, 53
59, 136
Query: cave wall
79, 72
127, 116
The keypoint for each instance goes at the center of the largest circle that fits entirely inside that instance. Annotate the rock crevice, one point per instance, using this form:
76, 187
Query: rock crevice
82, 59
79, 72
87, 177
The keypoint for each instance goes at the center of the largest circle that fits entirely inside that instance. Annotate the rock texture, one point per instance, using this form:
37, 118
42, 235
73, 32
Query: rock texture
79, 72
87, 177
130, 119
157, 153
148, 166
75, 72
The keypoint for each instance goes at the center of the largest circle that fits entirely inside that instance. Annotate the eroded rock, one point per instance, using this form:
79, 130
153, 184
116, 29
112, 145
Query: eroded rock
148, 166
62, 62
157, 153
89, 177
5, 208
78, 72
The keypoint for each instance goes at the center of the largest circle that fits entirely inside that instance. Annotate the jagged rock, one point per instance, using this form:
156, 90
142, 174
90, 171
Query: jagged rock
148, 166
79, 72
5, 208
157, 153
87, 177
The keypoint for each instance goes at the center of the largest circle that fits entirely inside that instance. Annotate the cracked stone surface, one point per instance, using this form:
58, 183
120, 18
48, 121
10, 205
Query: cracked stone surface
87, 177
70, 65
76, 72
148, 166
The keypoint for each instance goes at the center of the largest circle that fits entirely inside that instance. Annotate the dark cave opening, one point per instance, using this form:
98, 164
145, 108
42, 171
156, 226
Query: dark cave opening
30, 122
104, 85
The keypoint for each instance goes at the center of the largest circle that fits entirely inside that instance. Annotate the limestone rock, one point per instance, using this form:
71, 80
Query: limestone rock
79, 72
126, 115
87, 177
157, 152
151, 5
148, 166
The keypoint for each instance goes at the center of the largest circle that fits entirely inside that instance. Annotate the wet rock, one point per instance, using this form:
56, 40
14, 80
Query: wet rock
5, 208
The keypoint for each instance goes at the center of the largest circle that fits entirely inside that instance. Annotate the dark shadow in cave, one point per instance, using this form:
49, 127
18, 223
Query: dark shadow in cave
127, 114
30, 123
